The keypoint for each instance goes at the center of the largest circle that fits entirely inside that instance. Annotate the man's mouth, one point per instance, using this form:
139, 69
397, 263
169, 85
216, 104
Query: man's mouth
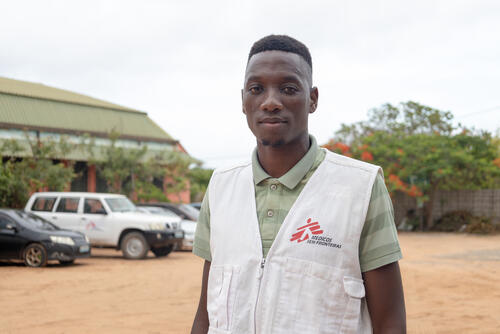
272, 120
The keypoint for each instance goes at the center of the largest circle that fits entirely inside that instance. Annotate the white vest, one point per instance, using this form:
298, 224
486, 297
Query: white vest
311, 280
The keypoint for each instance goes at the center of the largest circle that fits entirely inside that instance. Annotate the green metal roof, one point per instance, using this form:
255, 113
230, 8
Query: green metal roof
36, 106
40, 91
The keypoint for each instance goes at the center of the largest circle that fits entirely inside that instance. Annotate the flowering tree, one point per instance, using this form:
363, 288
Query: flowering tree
420, 151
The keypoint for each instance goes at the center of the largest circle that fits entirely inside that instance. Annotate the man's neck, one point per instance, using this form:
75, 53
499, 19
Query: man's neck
277, 161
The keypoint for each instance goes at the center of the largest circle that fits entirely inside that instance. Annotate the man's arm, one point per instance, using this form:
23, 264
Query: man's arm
385, 299
200, 324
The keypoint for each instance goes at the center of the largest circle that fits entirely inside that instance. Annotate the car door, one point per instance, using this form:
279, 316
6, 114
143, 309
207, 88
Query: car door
66, 214
11, 243
95, 222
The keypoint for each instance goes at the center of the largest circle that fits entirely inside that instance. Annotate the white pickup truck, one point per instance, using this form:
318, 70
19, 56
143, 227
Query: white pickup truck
108, 220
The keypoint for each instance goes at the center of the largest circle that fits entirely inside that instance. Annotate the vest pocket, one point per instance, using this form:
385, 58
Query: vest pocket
310, 299
221, 297
355, 289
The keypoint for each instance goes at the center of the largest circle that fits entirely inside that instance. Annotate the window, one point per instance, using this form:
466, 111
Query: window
43, 204
120, 204
93, 206
68, 204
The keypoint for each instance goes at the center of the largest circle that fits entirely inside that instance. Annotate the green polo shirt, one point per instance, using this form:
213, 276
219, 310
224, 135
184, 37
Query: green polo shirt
274, 197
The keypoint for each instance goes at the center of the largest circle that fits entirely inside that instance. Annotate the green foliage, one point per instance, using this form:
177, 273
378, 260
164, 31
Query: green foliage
148, 191
199, 178
453, 221
463, 221
13, 189
127, 171
421, 151
35, 172
481, 225
406, 119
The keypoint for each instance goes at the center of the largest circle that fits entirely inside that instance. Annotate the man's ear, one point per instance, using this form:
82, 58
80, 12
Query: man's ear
314, 95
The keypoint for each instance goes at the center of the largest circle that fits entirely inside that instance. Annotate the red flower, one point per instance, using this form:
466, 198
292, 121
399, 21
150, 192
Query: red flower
414, 191
366, 156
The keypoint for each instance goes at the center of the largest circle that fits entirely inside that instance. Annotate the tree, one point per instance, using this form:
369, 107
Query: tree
35, 172
131, 172
199, 178
496, 144
421, 151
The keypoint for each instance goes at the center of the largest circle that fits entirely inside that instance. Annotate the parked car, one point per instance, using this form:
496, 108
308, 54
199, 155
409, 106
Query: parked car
108, 220
174, 221
196, 205
186, 225
25, 236
185, 211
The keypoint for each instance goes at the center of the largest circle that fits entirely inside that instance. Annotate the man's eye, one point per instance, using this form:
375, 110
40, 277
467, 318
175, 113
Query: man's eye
289, 90
255, 89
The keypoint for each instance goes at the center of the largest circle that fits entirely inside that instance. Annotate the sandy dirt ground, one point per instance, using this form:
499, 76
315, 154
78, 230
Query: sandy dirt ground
451, 281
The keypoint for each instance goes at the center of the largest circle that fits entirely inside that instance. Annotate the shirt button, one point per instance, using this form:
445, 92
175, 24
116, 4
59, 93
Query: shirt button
270, 213
273, 187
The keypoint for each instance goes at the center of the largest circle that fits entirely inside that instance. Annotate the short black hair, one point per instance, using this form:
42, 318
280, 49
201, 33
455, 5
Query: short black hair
281, 43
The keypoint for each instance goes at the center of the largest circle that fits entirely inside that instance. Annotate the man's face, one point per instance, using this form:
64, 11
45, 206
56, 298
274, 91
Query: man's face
277, 97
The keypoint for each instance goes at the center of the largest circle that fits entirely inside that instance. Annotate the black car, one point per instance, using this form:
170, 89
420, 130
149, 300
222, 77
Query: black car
34, 240
185, 211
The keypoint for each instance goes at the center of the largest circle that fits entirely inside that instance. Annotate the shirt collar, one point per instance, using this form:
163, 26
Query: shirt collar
291, 178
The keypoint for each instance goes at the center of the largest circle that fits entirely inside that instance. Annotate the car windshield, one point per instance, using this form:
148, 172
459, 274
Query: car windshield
31, 220
120, 204
192, 212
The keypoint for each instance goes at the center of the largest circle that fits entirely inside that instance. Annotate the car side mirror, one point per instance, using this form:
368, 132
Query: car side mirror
11, 227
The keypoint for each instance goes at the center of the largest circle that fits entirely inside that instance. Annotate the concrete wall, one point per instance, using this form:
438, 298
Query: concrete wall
484, 202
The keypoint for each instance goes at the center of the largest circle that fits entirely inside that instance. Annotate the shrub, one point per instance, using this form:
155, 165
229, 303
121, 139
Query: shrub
453, 221
480, 225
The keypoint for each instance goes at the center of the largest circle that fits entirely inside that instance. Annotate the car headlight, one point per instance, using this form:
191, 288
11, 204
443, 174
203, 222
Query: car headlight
157, 226
62, 240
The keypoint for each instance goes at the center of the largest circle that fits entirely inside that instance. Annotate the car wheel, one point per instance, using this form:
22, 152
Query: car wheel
66, 262
162, 251
35, 256
134, 246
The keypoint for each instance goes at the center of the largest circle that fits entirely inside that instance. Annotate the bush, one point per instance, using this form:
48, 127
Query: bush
453, 221
463, 221
480, 225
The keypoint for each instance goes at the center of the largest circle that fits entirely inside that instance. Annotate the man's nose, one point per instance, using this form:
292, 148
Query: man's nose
272, 101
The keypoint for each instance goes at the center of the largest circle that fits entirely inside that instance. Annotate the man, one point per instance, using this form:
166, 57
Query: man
300, 240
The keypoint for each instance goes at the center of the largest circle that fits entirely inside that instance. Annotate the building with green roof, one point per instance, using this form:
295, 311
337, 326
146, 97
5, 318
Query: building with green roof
41, 112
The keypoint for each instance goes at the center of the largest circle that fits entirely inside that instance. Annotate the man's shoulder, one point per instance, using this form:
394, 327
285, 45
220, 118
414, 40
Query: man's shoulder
234, 168
332, 159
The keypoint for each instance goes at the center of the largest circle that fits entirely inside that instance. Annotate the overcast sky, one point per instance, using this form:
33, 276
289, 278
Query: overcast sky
183, 61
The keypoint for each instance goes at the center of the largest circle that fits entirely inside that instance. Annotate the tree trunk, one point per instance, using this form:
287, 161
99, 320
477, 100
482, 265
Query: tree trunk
429, 206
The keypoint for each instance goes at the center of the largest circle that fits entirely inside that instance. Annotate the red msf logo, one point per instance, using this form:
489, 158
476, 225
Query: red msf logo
303, 232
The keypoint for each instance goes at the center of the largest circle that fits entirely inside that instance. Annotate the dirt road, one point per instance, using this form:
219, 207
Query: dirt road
452, 285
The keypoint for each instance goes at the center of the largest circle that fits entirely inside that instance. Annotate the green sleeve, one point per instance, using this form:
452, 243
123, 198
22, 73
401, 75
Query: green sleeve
379, 243
201, 245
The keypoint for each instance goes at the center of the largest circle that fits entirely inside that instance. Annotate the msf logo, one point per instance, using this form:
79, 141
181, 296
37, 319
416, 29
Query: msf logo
305, 231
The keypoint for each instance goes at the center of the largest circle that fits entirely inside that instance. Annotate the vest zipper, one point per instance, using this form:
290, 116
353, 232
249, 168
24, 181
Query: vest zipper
261, 273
